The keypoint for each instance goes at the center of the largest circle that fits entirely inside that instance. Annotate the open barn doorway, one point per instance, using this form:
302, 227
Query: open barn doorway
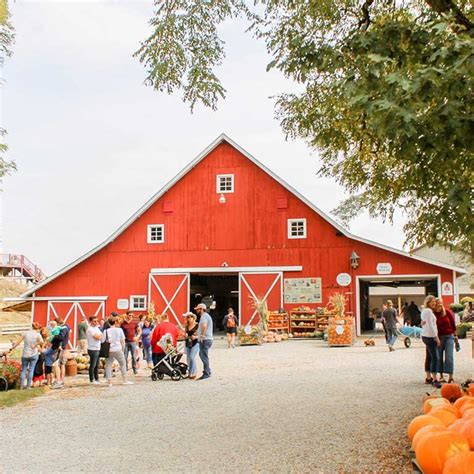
218, 292
375, 291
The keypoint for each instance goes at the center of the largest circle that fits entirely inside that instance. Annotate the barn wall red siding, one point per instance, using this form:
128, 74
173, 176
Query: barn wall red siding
250, 229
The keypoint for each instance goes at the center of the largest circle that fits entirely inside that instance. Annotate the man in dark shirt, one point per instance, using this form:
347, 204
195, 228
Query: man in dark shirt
390, 320
132, 332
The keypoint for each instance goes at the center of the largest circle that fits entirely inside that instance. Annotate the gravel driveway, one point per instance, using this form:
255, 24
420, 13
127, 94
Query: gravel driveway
296, 406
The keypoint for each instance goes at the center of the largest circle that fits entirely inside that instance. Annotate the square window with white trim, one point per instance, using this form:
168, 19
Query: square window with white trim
297, 228
138, 303
225, 183
156, 234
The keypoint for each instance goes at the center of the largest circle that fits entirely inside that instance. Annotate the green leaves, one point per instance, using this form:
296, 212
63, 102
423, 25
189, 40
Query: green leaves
387, 101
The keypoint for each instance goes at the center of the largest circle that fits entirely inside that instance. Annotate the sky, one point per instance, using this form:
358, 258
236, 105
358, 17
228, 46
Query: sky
92, 143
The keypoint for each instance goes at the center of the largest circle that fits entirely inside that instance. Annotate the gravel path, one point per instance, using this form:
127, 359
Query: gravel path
296, 406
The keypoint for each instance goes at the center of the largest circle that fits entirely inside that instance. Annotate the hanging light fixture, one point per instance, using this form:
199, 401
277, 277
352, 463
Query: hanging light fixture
222, 199
354, 259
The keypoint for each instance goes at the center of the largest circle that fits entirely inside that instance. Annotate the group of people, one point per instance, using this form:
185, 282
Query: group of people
438, 333
45, 351
44, 355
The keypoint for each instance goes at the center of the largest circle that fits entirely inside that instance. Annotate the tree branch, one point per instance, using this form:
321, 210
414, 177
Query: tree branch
445, 7
364, 22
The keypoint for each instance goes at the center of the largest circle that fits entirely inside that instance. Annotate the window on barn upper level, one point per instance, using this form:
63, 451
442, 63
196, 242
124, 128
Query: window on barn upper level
297, 228
156, 234
225, 183
138, 303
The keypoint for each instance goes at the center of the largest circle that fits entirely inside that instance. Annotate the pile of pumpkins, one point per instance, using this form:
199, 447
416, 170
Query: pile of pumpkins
272, 336
82, 362
443, 437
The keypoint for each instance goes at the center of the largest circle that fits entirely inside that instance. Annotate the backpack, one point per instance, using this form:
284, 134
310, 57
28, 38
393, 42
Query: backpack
64, 336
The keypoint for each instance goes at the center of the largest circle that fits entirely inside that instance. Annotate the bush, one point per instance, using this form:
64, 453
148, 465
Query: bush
11, 371
456, 307
462, 330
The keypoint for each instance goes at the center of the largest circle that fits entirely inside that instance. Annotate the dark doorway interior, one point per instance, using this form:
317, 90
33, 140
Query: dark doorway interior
223, 289
368, 303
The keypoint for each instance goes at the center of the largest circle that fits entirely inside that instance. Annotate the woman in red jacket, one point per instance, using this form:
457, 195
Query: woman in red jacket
447, 335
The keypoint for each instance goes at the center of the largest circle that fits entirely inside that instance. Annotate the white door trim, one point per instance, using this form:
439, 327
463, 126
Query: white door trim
388, 277
76, 306
168, 303
242, 279
295, 268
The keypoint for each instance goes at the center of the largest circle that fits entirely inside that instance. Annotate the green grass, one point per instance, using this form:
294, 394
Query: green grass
12, 397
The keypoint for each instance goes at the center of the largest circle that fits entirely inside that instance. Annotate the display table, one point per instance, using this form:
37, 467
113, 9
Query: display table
341, 331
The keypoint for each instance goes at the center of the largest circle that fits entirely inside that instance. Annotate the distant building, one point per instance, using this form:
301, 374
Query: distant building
451, 256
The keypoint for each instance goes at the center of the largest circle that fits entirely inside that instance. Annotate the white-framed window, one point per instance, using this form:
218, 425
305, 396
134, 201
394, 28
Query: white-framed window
137, 303
224, 183
297, 228
156, 233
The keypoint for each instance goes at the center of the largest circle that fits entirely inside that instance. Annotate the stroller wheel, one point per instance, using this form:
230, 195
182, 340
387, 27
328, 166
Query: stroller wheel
161, 376
407, 342
175, 375
3, 384
154, 377
183, 368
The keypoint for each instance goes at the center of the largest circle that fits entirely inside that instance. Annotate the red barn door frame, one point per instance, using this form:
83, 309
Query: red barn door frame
260, 286
71, 312
169, 293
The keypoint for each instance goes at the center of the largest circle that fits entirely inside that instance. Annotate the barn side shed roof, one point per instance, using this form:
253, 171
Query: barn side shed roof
224, 138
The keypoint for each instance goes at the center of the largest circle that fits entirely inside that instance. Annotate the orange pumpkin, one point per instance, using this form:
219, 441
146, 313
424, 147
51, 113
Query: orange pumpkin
466, 428
451, 391
426, 431
466, 406
445, 416
428, 397
433, 451
462, 463
468, 414
451, 408
434, 403
419, 422
461, 401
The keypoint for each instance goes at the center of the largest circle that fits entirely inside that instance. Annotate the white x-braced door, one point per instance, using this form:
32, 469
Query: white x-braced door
169, 293
259, 286
71, 312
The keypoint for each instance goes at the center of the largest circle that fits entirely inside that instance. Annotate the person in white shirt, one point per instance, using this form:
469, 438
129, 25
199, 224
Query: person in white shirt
115, 336
94, 336
32, 341
429, 336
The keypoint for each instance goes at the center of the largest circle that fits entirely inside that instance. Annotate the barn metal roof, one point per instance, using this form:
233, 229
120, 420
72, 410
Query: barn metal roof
224, 138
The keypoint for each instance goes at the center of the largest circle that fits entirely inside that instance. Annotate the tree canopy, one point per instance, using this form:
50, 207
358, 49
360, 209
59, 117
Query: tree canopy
6, 41
386, 100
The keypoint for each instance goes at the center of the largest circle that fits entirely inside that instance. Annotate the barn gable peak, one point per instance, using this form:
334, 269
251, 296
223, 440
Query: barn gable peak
222, 138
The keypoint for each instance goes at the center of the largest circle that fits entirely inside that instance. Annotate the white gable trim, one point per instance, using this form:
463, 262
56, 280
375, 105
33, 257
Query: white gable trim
224, 138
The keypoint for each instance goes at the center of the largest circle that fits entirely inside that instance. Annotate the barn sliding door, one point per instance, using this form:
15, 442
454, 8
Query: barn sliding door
169, 294
71, 312
259, 287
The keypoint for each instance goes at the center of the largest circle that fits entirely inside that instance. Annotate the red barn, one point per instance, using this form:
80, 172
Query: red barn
228, 228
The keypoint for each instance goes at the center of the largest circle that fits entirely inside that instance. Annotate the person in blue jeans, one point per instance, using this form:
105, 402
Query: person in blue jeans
205, 338
146, 341
446, 325
192, 343
32, 342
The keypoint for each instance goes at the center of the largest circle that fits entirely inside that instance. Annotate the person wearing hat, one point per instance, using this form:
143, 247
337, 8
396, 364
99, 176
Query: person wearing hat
192, 343
205, 338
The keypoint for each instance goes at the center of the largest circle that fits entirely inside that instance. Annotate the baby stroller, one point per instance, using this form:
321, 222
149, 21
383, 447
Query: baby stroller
170, 365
